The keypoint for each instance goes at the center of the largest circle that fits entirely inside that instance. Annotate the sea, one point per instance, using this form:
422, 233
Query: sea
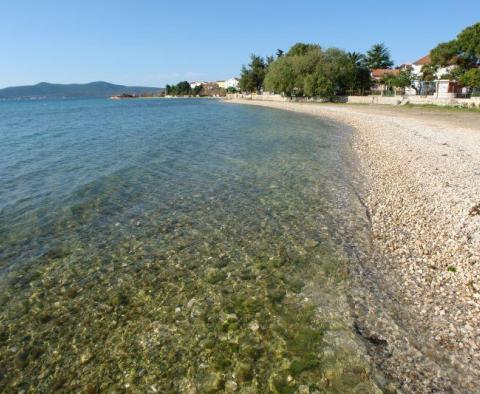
176, 245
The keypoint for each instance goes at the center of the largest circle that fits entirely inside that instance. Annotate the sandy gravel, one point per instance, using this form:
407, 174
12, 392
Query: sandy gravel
416, 293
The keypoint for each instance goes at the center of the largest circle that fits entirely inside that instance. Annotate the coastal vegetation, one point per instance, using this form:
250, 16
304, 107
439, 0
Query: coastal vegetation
311, 71
463, 53
184, 89
180, 89
378, 57
251, 78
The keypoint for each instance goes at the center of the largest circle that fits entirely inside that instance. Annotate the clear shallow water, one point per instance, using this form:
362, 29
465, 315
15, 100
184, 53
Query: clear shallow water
174, 246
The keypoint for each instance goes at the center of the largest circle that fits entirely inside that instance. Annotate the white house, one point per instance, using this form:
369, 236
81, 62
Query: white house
232, 83
193, 85
440, 87
228, 83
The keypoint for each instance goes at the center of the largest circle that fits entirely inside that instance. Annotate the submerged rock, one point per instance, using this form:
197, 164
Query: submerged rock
310, 243
215, 275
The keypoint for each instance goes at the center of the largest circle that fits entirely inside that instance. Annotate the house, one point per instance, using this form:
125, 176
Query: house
441, 86
378, 75
417, 65
193, 85
229, 83
232, 83
426, 61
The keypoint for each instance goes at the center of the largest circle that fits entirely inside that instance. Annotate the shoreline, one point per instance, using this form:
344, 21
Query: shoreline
415, 296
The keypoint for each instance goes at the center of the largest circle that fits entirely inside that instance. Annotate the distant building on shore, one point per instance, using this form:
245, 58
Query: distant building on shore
228, 83
232, 83
439, 86
193, 85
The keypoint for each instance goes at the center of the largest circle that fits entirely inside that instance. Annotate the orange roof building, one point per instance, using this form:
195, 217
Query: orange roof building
379, 73
423, 60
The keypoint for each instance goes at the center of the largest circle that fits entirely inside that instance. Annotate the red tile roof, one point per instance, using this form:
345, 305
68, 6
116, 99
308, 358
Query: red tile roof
380, 72
423, 60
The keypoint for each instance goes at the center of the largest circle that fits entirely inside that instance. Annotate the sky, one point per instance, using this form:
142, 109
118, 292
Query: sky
155, 42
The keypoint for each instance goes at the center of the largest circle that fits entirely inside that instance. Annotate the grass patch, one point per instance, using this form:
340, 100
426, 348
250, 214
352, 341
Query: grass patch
455, 108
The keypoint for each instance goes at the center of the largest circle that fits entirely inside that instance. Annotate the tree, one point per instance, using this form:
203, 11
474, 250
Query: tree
462, 52
251, 78
429, 72
196, 90
405, 79
301, 49
181, 89
388, 80
360, 80
378, 57
280, 77
307, 70
356, 58
471, 78
468, 42
444, 53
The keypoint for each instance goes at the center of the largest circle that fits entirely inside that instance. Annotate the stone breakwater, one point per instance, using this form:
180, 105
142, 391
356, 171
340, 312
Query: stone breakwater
416, 294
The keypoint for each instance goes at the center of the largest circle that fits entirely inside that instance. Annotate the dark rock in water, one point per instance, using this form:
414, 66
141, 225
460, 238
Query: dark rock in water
44, 318
3, 336
72, 292
243, 372
90, 389
295, 285
59, 382
119, 299
22, 359
276, 295
56, 253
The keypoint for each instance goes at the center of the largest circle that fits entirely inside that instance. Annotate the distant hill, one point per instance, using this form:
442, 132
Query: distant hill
55, 90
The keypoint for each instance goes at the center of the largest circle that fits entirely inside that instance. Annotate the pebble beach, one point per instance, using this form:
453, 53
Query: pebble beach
415, 292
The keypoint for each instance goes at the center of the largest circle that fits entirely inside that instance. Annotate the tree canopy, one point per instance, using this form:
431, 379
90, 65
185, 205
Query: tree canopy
471, 78
301, 49
308, 70
181, 89
251, 77
463, 51
378, 56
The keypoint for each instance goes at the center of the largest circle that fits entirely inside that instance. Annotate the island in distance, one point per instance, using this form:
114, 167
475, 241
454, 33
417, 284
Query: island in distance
99, 89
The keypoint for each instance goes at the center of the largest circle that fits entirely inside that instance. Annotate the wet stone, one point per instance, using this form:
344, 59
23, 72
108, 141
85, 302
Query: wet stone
213, 383
310, 243
215, 275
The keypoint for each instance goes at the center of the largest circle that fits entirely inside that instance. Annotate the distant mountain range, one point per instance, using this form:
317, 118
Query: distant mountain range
55, 90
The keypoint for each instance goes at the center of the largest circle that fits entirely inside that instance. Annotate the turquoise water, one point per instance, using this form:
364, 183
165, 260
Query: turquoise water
174, 246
